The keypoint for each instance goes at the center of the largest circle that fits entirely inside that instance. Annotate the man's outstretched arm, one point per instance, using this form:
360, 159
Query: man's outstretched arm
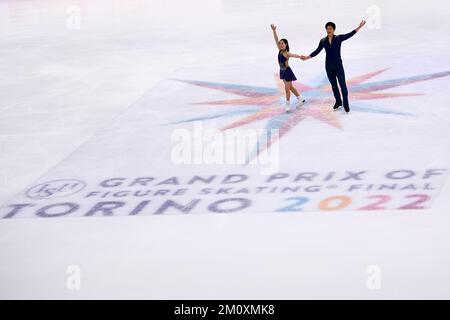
315, 52
344, 37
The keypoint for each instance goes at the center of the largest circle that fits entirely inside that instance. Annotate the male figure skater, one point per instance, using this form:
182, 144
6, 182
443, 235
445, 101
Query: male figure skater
333, 61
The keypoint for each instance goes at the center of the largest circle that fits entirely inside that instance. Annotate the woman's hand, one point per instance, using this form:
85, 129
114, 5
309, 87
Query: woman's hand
275, 36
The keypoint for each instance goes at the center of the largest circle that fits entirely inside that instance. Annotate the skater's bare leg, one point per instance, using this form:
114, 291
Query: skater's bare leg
300, 99
294, 91
287, 89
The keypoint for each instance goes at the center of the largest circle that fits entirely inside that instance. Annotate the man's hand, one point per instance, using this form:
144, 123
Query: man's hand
361, 24
274, 27
304, 58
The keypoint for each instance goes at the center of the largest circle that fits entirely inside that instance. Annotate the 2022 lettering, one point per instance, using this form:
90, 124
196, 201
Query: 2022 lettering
379, 202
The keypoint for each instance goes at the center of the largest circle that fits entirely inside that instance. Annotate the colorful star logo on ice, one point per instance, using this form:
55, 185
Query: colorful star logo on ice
262, 103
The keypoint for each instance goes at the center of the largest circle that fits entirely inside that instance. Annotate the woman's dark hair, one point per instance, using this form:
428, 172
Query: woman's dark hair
286, 43
330, 24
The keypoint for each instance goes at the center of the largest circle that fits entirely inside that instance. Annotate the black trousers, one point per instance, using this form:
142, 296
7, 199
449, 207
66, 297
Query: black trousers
337, 72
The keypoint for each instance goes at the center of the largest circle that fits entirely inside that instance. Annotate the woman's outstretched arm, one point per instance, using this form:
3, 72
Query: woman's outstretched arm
293, 55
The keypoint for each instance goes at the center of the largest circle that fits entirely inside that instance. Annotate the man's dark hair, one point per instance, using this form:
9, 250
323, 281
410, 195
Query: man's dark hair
330, 24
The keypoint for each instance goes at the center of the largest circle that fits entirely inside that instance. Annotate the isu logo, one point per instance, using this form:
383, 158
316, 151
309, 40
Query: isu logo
55, 189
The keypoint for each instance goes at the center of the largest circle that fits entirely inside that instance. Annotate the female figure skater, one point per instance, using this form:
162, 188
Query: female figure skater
286, 73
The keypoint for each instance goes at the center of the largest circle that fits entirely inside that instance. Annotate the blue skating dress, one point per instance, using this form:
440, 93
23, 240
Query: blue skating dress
286, 73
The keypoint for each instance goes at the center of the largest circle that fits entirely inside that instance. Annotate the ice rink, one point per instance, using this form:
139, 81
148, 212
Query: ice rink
100, 199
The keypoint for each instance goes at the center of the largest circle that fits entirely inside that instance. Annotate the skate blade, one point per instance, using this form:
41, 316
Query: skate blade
298, 106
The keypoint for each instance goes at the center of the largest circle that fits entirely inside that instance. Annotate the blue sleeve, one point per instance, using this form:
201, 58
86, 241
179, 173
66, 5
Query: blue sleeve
317, 51
344, 37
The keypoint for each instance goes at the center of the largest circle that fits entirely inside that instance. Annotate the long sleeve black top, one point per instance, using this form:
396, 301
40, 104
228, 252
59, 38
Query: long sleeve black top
333, 50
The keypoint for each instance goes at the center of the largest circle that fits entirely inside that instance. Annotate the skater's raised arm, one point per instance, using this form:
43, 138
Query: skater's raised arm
344, 37
361, 24
275, 36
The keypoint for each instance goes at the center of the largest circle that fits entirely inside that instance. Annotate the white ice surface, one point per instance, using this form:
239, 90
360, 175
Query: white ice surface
63, 90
